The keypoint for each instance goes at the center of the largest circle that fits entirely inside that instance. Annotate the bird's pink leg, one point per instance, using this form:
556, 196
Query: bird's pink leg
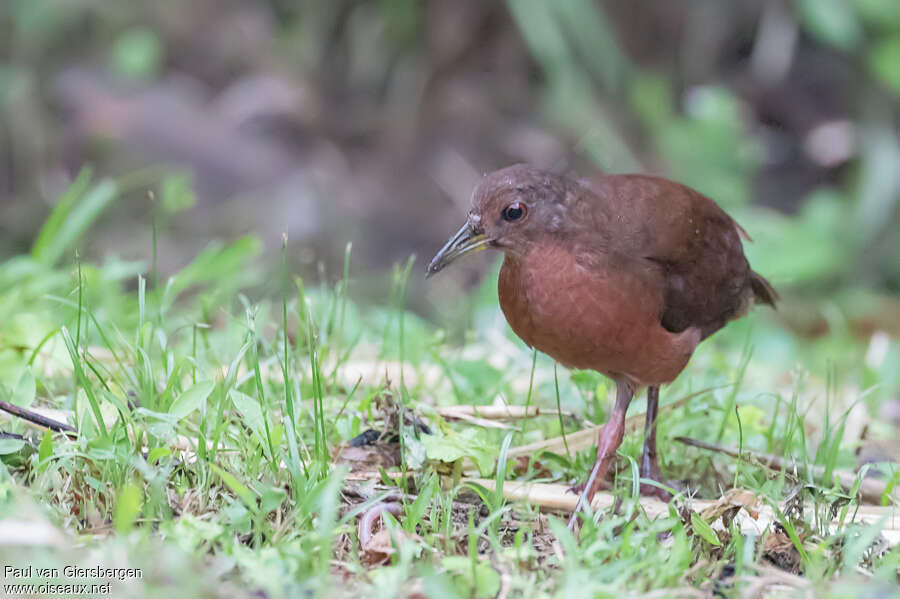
608, 441
649, 463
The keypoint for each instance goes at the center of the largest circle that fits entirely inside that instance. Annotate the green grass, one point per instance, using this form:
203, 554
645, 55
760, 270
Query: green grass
210, 416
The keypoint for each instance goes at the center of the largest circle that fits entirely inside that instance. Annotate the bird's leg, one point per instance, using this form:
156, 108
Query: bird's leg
608, 440
649, 463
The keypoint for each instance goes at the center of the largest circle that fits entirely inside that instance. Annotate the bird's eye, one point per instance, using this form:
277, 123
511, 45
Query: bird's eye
514, 211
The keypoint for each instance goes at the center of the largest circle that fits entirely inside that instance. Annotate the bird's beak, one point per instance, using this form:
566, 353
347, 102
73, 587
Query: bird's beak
464, 242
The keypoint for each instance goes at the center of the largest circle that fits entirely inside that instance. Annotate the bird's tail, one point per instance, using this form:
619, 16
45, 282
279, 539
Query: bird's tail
763, 291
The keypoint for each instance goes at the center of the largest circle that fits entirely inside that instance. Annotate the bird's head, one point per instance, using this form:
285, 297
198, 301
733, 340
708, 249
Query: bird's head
511, 209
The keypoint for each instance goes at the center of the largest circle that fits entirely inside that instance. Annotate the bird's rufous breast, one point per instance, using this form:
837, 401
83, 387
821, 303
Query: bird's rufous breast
599, 316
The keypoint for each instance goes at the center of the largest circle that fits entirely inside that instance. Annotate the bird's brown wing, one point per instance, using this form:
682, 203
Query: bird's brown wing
695, 245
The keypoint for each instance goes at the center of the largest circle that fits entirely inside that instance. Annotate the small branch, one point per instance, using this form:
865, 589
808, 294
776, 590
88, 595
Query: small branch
483, 422
496, 412
557, 497
35, 418
871, 489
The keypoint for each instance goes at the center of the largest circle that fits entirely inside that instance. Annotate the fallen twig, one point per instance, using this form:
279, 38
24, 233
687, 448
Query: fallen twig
871, 489
495, 412
557, 497
35, 418
483, 422
487, 416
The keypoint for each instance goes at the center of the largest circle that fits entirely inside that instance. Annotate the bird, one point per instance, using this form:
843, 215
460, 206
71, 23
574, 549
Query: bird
624, 274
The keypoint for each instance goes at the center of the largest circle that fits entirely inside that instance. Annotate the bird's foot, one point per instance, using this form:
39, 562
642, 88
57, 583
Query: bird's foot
587, 490
609, 438
650, 470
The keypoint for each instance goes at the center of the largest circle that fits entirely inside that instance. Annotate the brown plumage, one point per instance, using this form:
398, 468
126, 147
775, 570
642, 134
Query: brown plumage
623, 274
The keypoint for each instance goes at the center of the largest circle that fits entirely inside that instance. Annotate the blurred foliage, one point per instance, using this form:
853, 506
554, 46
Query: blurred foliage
785, 112
846, 229
137, 53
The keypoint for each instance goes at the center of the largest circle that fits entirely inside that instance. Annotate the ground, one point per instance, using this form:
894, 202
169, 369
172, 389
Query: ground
223, 440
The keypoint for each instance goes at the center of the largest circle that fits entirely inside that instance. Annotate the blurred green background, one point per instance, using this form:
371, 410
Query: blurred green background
183, 139
371, 121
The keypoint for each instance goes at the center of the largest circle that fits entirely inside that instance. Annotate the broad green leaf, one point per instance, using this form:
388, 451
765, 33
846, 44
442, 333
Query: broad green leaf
158, 453
464, 444
239, 488
702, 528
191, 399
8, 446
270, 497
